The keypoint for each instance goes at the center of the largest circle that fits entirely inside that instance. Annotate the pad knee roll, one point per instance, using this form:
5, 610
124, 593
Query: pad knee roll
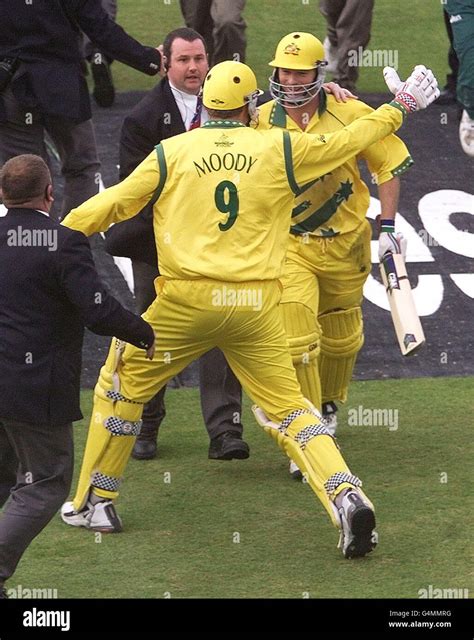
341, 340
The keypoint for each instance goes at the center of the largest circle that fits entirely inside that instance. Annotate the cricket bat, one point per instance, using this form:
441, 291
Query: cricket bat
402, 305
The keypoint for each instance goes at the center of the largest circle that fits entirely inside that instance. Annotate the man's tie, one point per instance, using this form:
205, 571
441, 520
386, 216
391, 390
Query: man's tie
196, 121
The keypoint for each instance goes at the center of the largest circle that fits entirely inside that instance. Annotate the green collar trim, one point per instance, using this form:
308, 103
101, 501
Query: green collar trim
323, 102
279, 114
223, 124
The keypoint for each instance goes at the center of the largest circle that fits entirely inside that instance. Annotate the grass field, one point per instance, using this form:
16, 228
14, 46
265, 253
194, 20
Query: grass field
245, 529
414, 29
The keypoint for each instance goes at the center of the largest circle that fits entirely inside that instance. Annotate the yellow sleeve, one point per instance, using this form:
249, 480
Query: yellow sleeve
387, 158
123, 200
309, 156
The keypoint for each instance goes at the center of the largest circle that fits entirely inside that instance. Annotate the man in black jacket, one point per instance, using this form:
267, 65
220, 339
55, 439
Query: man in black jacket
170, 108
49, 289
41, 45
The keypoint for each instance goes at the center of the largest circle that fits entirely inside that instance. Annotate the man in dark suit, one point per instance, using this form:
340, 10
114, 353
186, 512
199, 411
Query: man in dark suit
41, 43
49, 290
170, 108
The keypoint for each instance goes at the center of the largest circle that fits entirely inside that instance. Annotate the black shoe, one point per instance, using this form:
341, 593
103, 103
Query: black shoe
145, 445
228, 446
446, 97
104, 91
145, 450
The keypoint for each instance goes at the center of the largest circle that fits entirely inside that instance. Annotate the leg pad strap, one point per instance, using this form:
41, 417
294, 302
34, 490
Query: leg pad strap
120, 427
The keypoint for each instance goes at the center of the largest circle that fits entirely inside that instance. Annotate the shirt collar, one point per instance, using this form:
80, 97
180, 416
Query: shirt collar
278, 115
223, 124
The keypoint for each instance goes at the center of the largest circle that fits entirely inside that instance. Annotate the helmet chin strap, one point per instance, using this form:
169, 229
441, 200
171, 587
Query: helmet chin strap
252, 107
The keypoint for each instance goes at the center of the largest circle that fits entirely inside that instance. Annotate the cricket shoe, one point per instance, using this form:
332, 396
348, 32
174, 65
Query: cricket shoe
358, 536
466, 134
329, 417
295, 471
101, 517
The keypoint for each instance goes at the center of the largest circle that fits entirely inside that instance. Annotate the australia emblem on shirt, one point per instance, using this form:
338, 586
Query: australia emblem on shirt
223, 141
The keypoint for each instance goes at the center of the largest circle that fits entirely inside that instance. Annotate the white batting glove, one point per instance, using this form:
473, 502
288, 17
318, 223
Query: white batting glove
418, 91
392, 243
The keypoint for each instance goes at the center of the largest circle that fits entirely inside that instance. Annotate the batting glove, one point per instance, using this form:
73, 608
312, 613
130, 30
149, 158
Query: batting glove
389, 241
417, 92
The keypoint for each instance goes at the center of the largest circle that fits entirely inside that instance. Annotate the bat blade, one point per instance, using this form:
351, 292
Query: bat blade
402, 305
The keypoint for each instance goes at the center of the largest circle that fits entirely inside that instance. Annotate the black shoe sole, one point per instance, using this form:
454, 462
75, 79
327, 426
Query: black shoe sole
362, 526
241, 453
146, 456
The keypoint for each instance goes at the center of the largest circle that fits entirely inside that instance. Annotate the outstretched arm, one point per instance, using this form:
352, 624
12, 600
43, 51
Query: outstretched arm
315, 155
117, 203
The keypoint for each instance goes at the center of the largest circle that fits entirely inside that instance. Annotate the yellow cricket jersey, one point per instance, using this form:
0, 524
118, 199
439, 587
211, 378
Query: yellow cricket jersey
337, 202
223, 194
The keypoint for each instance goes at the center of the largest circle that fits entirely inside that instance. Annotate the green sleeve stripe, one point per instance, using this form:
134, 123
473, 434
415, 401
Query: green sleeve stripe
406, 164
399, 106
163, 173
290, 174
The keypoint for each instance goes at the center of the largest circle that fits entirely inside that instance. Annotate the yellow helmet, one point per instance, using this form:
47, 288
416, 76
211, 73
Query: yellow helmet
229, 85
298, 50
301, 52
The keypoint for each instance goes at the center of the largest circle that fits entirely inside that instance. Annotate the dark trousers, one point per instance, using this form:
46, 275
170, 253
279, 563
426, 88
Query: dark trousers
110, 6
221, 393
75, 144
348, 28
451, 78
221, 24
463, 42
44, 459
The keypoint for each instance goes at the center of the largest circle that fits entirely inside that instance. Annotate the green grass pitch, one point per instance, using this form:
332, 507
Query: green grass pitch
200, 528
413, 29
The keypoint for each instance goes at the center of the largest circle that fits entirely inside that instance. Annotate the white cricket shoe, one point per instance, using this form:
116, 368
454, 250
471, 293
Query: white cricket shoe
295, 472
330, 54
329, 417
358, 536
101, 517
466, 134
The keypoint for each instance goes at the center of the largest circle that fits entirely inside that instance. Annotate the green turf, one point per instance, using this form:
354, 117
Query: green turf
245, 529
413, 28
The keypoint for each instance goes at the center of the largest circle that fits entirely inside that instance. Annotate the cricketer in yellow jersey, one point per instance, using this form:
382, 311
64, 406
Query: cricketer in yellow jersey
222, 204
328, 258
